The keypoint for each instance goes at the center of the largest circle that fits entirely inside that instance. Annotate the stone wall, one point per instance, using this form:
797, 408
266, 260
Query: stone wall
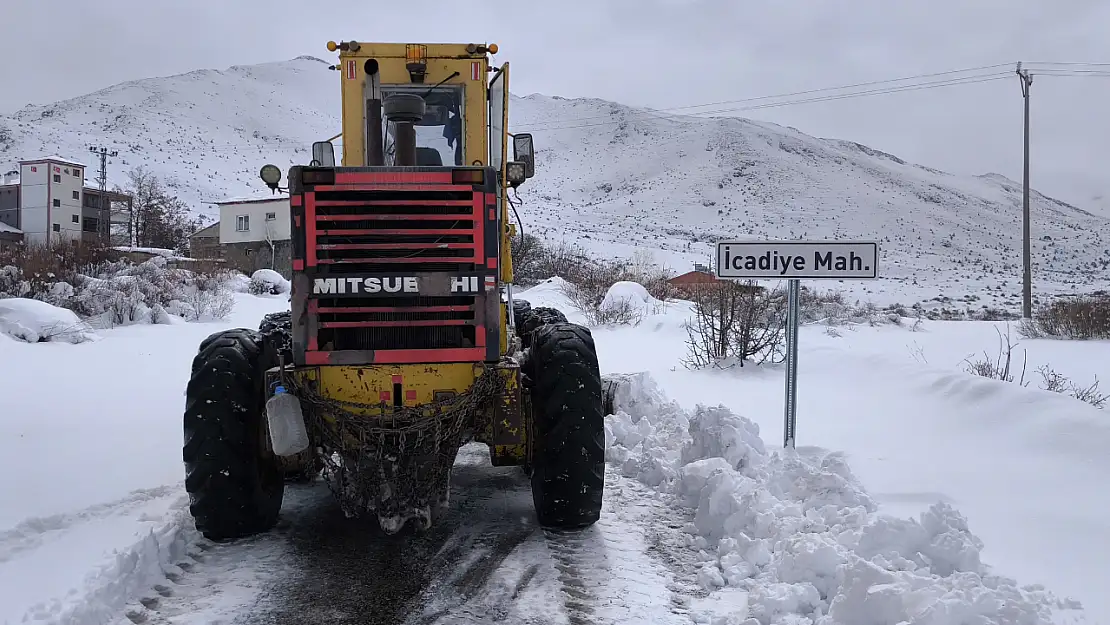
254, 255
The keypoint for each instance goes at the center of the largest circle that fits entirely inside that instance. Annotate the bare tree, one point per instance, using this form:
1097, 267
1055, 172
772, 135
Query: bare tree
159, 219
268, 230
735, 321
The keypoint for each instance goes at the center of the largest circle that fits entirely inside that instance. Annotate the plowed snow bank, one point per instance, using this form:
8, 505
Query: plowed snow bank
796, 531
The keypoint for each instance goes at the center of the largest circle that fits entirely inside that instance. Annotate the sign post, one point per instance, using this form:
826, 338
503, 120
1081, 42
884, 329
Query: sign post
795, 261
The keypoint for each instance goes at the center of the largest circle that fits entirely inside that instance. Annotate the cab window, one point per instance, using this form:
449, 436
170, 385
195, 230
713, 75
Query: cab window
439, 136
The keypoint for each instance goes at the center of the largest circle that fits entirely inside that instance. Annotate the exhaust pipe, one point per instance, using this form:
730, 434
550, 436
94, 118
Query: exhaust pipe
403, 110
375, 150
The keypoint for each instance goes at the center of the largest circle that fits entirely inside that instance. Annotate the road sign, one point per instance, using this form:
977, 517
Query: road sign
794, 261
798, 260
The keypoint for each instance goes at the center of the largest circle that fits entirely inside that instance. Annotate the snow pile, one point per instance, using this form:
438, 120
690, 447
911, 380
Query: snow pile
796, 531
34, 322
631, 297
168, 254
238, 282
268, 282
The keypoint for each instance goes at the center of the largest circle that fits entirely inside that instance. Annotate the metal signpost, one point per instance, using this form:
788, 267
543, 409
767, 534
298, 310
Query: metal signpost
795, 261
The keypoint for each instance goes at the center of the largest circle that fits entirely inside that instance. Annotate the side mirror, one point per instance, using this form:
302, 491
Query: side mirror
323, 154
524, 153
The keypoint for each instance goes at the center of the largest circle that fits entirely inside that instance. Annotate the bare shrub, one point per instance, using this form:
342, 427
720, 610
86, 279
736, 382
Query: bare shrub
208, 297
999, 368
534, 261
1058, 383
102, 285
619, 312
735, 322
1083, 317
37, 267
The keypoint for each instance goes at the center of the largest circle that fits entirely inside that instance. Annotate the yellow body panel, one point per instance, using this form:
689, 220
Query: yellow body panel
506, 431
375, 385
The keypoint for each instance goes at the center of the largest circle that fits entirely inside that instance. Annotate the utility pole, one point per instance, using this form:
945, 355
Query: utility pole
105, 205
1027, 268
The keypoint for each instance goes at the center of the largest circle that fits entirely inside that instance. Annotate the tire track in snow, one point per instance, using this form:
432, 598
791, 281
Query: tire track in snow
609, 574
346, 571
486, 562
33, 532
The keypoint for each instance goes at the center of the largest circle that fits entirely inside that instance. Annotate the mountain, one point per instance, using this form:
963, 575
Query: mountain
612, 178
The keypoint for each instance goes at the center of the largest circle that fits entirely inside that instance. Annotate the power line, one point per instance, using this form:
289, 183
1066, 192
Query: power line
1067, 69
968, 80
812, 91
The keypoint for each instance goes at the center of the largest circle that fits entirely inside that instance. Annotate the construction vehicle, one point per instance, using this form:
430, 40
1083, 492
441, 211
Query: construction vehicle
403, 341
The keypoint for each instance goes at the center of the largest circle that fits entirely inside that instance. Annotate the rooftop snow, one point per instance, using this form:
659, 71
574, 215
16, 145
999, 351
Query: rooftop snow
56, 158
250, 199
6, 228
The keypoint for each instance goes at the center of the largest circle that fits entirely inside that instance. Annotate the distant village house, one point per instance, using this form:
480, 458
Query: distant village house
47, 201
699, 280
253, 233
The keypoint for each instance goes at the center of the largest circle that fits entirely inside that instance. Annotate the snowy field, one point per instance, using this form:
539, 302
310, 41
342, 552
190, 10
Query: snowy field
93, 525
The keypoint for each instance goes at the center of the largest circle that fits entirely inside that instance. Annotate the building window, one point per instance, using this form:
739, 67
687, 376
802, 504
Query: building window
76, 173
76, 195
57, 227
57, 178
92, 224
271, 216
76, 219
242, 223
57, 202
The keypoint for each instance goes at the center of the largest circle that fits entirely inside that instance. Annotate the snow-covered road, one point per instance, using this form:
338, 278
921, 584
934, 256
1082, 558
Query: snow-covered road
487, 562
703, 522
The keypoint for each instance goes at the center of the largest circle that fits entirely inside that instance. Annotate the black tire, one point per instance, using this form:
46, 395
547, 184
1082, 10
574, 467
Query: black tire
568, 459
277, 331
233, 478
277, 335
534, 319
520, 308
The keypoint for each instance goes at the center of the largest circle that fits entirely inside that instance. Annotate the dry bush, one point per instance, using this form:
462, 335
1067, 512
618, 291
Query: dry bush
39, 266
1058, 383
999, 368
102, 285
735, 322
619, 313
534, 261
1083, 317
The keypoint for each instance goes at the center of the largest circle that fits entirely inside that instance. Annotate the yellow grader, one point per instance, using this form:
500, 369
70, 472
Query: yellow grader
403, 341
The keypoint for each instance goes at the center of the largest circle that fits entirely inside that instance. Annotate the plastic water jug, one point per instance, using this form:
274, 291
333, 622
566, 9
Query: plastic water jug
287, 429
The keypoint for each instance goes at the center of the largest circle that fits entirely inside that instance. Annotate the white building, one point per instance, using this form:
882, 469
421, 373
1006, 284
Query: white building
254, 219
50, 199
255, 233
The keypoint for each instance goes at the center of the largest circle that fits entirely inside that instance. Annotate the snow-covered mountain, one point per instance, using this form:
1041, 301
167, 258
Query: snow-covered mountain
611, 178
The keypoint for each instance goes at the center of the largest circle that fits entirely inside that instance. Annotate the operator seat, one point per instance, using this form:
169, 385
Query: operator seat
428, 157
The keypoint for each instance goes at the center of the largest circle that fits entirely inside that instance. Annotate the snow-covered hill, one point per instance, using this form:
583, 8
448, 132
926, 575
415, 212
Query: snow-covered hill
612, 178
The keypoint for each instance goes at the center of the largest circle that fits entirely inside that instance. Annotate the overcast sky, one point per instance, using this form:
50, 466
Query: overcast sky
659, 53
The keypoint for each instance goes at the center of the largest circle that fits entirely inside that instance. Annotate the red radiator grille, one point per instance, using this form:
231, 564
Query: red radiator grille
371, 228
